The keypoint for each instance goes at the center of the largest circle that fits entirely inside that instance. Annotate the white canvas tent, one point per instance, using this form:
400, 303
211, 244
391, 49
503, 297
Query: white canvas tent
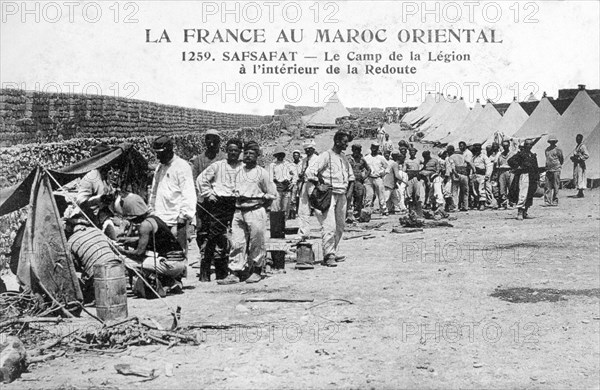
434, 101
540, 121
455, 134
582, 117
413, 117
449, 121
436, 114
326, 117
482, 127
514, 117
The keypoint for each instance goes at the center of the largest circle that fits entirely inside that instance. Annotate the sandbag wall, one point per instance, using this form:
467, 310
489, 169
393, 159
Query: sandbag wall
28, 117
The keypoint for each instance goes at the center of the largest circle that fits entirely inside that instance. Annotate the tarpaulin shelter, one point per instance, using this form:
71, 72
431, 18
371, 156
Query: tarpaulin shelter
327, 116
45, 265
455, 134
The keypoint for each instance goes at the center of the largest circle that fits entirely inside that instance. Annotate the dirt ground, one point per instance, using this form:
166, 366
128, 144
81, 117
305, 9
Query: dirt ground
491, 302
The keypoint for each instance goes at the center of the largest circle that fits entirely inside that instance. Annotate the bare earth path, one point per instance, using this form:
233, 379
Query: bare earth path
422, 314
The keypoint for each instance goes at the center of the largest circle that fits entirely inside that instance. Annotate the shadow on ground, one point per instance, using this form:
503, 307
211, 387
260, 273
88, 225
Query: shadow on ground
534, 295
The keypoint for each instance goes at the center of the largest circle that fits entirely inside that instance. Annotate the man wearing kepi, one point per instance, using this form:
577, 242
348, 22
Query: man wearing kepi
173, 196
457, 169
504, 173
374, 183
305, 188
482, 167
297, 164
356, 192
254, 192
333, 169
216, 185
212, 142
525, 167
554, 162
283, 174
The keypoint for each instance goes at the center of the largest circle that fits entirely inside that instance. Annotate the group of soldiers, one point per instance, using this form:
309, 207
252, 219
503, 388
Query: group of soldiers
227, 197
463, 179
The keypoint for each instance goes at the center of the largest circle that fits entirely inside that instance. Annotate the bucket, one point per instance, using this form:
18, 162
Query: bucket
304, 253
277, 220
278, 258
110, 290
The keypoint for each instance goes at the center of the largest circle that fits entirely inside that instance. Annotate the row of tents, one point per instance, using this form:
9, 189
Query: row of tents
444, 120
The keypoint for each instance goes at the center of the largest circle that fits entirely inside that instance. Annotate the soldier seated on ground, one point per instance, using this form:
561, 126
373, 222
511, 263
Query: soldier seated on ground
153, 247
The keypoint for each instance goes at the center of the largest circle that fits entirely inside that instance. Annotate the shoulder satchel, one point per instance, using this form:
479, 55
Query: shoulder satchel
321, 199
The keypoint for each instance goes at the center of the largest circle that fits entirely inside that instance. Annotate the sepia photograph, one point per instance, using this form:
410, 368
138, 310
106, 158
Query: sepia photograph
301, 194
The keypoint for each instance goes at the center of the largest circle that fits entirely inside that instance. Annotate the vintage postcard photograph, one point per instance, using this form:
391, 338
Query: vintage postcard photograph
302, 194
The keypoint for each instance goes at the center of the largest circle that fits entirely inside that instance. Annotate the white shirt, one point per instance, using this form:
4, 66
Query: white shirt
218, 179
378, 165
335, 170
173, 194
468, 155
282, 170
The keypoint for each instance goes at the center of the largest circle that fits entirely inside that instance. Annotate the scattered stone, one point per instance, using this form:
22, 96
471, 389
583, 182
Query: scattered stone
12, 359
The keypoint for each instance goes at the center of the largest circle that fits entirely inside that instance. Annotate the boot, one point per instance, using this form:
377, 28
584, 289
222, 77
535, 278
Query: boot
525, 215
221, 269
230, 279
419, 209
520, 215
580, 194
450, 204
256, 276
204, 271
329, 261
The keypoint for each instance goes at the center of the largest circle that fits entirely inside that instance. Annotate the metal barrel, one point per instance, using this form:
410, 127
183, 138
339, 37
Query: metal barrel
110, 290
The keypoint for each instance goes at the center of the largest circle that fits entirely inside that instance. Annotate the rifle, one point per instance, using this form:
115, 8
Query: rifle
299, 192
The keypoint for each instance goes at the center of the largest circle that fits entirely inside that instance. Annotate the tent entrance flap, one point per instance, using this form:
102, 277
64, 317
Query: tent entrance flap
44, 256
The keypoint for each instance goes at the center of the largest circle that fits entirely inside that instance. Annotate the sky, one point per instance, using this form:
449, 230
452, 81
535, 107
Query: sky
101, 47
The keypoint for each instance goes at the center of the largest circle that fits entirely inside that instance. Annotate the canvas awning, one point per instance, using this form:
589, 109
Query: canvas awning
134, 175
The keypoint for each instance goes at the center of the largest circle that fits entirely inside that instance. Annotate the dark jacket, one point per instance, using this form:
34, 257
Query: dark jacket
523, 163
